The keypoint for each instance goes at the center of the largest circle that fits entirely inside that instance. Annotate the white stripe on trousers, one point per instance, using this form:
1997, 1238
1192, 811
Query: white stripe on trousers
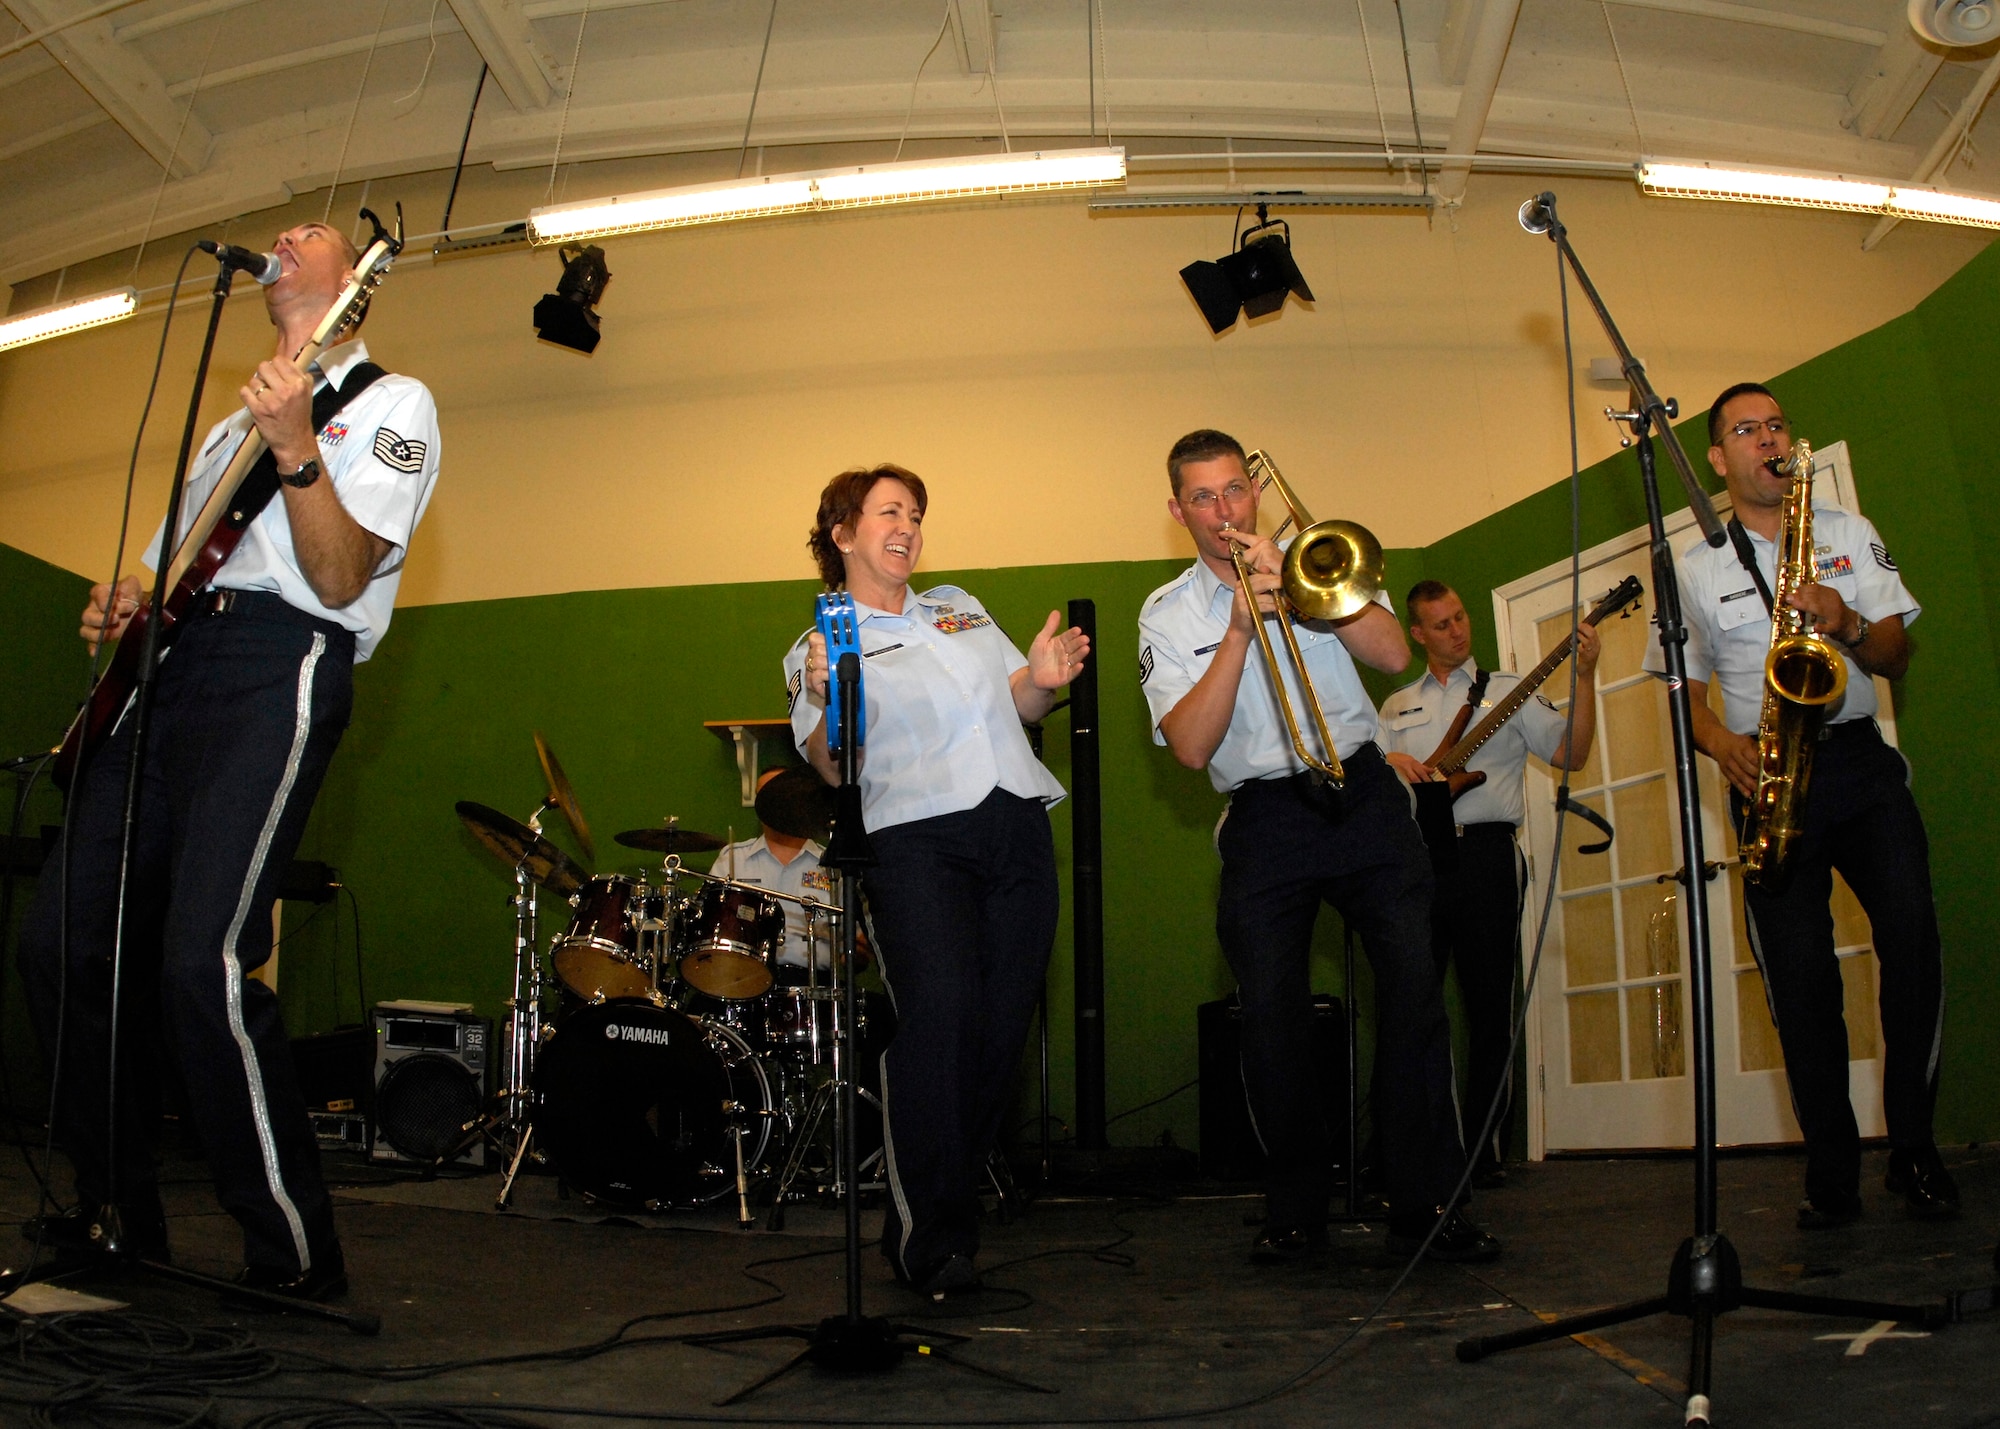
260, 1112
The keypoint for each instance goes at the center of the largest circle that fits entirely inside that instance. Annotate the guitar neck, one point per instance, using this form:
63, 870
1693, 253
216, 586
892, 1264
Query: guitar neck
1455, 761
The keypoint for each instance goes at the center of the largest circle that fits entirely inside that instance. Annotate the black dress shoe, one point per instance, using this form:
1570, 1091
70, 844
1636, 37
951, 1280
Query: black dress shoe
81, 1232
1828, 1212
1459, 1240
1287, 1245
954, 1275
326, 1279
1926, 1187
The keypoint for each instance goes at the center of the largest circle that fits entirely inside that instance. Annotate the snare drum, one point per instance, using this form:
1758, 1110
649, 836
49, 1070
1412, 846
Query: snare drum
735, 930
597, 957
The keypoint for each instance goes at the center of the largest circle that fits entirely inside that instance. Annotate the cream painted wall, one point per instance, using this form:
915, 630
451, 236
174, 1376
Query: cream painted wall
1032, 360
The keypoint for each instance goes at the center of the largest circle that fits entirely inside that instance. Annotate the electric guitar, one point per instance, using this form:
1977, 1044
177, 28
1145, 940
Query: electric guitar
1458, 746
213, 535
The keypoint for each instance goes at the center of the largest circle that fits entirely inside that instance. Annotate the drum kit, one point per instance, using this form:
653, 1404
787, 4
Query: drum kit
664, 1053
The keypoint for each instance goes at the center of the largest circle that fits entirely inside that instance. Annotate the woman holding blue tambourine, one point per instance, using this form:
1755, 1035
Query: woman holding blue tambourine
963, 895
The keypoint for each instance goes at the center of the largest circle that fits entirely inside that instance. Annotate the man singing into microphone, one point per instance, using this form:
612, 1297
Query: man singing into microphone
247, 712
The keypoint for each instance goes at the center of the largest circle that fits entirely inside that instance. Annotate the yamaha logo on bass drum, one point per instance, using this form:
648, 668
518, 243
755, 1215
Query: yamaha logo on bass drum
626, 1032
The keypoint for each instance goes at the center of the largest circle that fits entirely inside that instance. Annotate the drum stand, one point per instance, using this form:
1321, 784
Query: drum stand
507, 1126
828, 1098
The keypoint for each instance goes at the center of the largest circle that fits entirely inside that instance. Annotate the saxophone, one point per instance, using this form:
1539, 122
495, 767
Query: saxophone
1804, 676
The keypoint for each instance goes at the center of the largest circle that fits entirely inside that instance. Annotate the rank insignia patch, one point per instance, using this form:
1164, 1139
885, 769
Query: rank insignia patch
1145, 664
405, 454
1882, 556
793, 687
959, 623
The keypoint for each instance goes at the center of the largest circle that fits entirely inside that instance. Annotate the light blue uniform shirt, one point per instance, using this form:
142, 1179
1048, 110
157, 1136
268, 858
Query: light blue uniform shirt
380, 453
1415, 718
1729, 631
753, 862
1180, 626
942, 731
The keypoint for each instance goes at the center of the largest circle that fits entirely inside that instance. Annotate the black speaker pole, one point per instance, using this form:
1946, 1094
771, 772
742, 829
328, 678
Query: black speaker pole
1087, 889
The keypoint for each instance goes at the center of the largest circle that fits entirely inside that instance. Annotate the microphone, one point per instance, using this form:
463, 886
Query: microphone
264, 267
1538, 214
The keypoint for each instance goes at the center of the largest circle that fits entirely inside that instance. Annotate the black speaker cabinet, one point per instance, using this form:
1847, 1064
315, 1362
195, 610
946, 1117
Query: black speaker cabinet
336, 1073
432, 1077
1230, 1150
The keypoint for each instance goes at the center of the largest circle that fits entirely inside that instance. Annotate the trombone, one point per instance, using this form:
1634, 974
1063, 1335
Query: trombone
1332, 570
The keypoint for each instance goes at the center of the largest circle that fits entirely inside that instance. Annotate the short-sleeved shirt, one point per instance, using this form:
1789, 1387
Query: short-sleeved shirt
942, 729
1729, 631
380, 452
751, 861
1416, 717
1180, 626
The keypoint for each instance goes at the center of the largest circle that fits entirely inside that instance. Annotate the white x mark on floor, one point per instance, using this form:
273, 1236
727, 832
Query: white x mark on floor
1881, 1330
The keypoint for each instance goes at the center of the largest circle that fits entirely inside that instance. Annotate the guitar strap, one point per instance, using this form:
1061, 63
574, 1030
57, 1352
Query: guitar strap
262, 483
1740, 538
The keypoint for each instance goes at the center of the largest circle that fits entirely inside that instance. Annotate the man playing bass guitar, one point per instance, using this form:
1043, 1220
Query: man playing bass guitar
246, 713
1476, 907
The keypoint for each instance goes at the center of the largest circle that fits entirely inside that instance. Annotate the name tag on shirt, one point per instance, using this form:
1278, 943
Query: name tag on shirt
1741, 607
960, 622
1406, 719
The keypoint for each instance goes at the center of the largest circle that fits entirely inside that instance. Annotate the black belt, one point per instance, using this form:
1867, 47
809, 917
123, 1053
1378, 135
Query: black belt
264, 605
1862, 730
1368, 757
1498, 829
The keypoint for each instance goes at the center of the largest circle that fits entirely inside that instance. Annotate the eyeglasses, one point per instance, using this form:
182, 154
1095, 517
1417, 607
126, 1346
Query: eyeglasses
1204, 500
1776, 426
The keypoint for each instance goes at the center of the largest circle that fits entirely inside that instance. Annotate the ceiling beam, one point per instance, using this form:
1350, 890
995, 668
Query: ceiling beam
130, 90
1492, 30
1945, 149
500, 31
1769, 19
972, 35
1889, 88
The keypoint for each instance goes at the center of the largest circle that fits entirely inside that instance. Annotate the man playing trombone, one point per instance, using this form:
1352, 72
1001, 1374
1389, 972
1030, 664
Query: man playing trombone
1289, 841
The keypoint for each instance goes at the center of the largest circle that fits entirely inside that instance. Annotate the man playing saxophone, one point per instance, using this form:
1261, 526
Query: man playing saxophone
1858, 815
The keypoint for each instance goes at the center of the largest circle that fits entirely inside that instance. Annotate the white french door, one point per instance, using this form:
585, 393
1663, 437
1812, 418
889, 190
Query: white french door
1608, 1041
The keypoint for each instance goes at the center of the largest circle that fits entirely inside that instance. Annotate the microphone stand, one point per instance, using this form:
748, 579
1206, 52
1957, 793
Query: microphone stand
110, 1245
850, 1343
1705, 1280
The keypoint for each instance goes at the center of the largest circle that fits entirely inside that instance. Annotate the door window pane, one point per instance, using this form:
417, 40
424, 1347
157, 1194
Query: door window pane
1593, 1037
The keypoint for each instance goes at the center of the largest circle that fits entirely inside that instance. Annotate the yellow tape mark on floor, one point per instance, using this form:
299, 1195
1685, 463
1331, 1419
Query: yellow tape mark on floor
1649, 1375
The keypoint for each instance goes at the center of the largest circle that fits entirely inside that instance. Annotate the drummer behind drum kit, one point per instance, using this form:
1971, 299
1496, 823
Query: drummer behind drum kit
653, 1058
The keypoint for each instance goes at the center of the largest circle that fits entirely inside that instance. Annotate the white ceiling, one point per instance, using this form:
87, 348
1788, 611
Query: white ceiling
162, 115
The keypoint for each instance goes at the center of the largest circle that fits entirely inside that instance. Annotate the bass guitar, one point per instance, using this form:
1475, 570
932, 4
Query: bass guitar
213, 535
1459, 744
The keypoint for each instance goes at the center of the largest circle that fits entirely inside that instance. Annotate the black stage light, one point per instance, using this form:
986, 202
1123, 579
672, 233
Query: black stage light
568, 316
1253, 280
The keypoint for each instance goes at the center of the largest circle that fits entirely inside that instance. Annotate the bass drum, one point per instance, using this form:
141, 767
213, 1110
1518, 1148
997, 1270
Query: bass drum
639, 1105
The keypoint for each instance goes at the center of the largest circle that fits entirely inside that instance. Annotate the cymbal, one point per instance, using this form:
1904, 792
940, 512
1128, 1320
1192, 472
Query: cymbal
798, 803
672, 839
516, 844
564, 794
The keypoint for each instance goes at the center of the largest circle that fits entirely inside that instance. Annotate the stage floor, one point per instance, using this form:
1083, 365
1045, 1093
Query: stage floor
1122, 1309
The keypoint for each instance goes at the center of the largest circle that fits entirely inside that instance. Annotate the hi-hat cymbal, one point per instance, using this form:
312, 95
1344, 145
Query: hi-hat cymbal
515, 844
797, 802
672, 839
564, 794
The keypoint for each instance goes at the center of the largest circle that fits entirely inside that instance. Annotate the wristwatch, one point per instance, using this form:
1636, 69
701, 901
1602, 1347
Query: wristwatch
306, 475
1862, 625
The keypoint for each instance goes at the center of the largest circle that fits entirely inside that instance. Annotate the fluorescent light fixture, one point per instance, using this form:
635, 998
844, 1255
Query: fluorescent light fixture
852, 187
68, 317
1836, 191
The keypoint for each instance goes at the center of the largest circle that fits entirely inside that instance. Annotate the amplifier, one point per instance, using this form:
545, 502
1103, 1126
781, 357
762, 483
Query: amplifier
336, 1073
432, 1077
1230, 1150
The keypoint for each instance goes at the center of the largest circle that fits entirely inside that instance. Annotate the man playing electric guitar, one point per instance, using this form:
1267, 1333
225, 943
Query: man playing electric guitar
246, 713
1476, 908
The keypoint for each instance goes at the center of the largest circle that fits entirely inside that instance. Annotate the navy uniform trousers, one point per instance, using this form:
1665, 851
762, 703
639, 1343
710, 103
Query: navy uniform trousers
248, 709
964, 908
1476, 927
1861, 819
1284, 852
